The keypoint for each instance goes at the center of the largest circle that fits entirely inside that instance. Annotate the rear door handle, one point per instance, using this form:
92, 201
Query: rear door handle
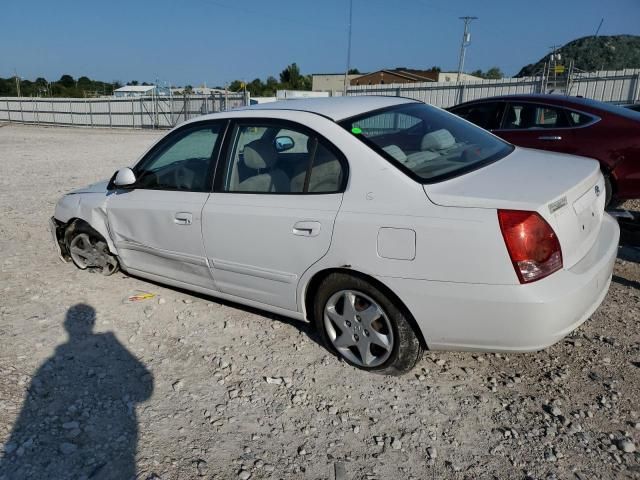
183, 218
307, 228
552, 138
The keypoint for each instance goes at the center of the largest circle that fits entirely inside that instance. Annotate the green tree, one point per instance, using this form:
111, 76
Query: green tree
67, 81
270, 87
256, 87
493, 73
353, 71
291, 78
236, 85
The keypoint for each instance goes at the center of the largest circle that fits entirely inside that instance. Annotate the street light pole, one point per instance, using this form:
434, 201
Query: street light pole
466, 37
346, 72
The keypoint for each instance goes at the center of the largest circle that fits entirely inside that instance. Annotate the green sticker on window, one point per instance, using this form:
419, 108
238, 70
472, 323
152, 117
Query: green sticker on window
356, 131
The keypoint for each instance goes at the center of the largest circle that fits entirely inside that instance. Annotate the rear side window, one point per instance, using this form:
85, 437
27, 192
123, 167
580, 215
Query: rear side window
427, 143
577, 119
485, 115
527, 115
276, 158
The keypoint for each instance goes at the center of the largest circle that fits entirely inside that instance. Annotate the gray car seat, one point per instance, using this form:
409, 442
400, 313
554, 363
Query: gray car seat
260, 157
326, 174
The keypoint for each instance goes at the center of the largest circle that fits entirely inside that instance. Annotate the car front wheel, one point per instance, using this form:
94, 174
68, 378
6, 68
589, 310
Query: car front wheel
88, 250
365, 327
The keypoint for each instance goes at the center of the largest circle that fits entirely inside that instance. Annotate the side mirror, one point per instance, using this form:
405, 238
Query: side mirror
124, 177
284, 143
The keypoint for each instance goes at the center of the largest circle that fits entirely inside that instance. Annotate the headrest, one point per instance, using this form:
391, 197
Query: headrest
396, 152
527, 117
438, 140
260, 154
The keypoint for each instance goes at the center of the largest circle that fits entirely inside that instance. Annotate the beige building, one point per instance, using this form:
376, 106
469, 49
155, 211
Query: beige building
334, 82
410, 75
453, 77
330, 82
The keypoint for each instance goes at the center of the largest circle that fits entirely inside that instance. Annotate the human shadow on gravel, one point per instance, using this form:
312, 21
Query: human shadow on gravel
78, 420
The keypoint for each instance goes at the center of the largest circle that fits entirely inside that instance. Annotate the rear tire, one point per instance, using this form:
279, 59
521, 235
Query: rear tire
608, 192
364, 327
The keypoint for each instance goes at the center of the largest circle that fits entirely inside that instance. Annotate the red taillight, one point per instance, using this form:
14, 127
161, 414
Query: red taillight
532, 244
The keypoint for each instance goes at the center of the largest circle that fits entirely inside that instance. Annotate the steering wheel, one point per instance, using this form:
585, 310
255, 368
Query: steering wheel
470, 154
181, 178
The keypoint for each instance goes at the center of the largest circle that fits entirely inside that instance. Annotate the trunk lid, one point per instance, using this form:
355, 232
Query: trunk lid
567, 191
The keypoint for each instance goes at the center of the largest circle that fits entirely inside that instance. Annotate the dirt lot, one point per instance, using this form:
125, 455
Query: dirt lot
182, 386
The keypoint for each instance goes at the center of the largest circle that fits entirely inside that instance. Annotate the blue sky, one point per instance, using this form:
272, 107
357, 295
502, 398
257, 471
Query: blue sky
197, 41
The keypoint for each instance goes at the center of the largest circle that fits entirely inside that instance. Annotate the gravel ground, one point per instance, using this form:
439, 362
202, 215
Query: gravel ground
182, 386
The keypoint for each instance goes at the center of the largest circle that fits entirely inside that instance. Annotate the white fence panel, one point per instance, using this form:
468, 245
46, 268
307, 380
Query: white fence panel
138, 112
620, 86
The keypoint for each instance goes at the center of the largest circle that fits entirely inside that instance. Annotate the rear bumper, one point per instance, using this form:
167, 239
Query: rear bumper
460, 316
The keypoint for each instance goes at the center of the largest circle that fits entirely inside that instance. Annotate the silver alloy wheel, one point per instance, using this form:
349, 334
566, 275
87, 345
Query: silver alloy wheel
86, 254
358, 328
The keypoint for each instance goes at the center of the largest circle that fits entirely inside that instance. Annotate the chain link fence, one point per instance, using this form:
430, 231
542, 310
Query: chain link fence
131, 112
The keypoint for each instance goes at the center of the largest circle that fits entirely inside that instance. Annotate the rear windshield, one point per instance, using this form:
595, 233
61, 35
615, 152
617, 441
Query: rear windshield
611, 108
427, 143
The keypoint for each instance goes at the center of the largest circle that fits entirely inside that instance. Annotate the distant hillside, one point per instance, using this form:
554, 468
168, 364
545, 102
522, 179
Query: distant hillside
595, 53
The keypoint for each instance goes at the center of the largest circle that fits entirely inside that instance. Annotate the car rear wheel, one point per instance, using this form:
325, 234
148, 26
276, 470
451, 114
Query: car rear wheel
364, 327
608, 191
88, 250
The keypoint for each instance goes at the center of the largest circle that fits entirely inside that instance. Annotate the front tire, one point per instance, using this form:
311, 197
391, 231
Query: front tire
88, 250
364, 327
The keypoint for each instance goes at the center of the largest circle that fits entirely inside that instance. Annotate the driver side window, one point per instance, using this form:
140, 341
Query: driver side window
183, 163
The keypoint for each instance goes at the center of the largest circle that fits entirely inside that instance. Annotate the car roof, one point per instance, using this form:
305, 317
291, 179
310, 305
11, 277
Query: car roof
589, 105
542, 97
335, 108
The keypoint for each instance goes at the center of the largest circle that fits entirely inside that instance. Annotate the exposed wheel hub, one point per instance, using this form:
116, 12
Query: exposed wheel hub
90, 253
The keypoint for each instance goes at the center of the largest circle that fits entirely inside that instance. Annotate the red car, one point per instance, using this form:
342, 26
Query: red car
579, 126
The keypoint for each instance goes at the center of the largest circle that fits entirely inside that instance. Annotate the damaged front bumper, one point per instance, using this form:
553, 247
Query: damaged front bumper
57, 234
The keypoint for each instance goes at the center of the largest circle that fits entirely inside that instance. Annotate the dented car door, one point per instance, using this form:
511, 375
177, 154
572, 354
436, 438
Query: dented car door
156, 223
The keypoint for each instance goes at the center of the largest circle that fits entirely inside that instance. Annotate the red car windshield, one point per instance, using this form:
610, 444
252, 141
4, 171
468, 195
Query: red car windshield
427, 143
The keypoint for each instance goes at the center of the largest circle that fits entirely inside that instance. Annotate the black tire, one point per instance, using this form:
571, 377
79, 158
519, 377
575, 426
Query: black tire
608, 192
79, 228
406, 349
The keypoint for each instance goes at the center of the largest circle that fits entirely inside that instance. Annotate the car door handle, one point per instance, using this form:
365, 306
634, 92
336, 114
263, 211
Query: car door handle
552, 138
183, 218
306, 229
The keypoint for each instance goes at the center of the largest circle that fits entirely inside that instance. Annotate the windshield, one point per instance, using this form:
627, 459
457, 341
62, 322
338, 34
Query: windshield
427, 143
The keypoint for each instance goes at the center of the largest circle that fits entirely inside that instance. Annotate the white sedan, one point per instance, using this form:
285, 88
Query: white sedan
392, 225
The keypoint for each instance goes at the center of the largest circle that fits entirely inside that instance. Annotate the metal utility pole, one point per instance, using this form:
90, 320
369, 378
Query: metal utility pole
598, 29
17, 82
553, 58
346, 72
466, 40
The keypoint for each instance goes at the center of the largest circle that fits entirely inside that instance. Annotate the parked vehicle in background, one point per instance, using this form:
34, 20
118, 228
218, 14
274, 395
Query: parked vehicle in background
392, 225
579, 126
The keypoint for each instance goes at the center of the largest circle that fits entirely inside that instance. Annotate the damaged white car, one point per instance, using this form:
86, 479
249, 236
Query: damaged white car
392, 225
